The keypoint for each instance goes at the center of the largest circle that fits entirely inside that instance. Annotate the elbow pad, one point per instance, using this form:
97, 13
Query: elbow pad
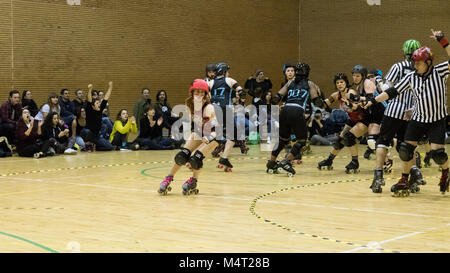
277, 98
392, 92
318, 102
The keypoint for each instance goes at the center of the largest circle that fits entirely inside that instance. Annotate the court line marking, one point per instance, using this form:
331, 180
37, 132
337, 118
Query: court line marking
390, 240
28, 241
135, 164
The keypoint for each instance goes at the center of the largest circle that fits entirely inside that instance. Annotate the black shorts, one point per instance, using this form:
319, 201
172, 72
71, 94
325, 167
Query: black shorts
292, 121
352, 123
435, 131
376, 114
390, 128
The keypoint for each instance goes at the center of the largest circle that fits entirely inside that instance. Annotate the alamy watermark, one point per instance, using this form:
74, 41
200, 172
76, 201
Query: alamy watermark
240, 122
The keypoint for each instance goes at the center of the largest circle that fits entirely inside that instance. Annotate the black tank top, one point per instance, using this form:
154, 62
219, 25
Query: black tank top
221, 92
79, 127
299, 93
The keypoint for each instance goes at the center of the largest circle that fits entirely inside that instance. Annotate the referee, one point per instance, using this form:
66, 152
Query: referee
395, 121
428, 84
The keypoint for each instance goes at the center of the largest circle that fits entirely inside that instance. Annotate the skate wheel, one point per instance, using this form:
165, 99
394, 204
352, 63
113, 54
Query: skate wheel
270, 171
299, 162
220, 166
196, 191
290, 175
280, 169
330, 168
228, 170
169, 188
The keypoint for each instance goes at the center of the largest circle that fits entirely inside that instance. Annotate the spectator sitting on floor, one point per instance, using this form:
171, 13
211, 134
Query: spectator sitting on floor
123, 126
29, 103
56, 134
66, 106
150, 136
28, 131
10, 112
91, 133
52, 105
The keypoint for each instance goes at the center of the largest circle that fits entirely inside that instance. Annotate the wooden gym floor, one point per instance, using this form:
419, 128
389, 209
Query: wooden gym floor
107, 202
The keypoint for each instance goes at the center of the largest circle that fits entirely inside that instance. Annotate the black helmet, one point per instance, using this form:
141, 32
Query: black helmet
361, 70
286, 65
210, 67
341, 76
302, 70
221, 68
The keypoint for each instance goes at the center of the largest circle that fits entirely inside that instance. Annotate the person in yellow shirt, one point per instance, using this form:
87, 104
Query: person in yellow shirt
123, 126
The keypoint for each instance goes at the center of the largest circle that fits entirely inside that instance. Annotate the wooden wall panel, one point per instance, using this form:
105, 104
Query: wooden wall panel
48, 44
336, 35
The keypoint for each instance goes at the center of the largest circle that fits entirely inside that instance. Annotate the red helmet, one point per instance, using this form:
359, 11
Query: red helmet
199, 84
422, 54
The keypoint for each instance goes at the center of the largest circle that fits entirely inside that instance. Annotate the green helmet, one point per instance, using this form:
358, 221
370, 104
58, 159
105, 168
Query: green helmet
410, 46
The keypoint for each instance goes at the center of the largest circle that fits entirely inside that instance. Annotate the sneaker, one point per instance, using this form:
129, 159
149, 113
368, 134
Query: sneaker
70, 151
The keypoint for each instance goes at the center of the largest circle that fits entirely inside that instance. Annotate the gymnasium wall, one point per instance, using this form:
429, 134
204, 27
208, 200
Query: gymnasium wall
336, 35
48, 44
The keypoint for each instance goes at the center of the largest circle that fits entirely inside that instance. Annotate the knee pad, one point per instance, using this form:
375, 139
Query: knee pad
196, 160
349, 139
382, 143
372, 141
297, 147
280, 147
338, 145
439, 156
406, 151
182, 157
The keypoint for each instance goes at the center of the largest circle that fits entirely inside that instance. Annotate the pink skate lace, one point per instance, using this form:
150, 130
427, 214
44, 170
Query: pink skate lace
167, 180
189, 181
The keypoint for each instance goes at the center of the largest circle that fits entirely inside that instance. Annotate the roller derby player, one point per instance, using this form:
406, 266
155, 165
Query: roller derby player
202, 139
395, 116
361, 90
428, 84
342, 96
224, 92
299, 92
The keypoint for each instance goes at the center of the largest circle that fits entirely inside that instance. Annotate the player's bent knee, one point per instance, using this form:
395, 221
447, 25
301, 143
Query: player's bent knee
439, 156
196, 161
182, 157
349, 139
406, 151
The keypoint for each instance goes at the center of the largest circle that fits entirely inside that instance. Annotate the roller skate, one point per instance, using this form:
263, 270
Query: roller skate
401, 189
218, 150
443, 184
190, 186
244, 149
415, 179
164, 187
387, 167
378, 181
418, 160
328, 163
225, 164
353, 166
368, 153
427, 160
272, 167
286, 166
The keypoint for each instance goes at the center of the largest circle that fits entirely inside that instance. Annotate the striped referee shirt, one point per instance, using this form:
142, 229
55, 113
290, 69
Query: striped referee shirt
430, 93
398, 105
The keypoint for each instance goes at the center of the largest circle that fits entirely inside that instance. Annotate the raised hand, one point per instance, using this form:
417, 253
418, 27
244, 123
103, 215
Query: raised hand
437, 35
160, 121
